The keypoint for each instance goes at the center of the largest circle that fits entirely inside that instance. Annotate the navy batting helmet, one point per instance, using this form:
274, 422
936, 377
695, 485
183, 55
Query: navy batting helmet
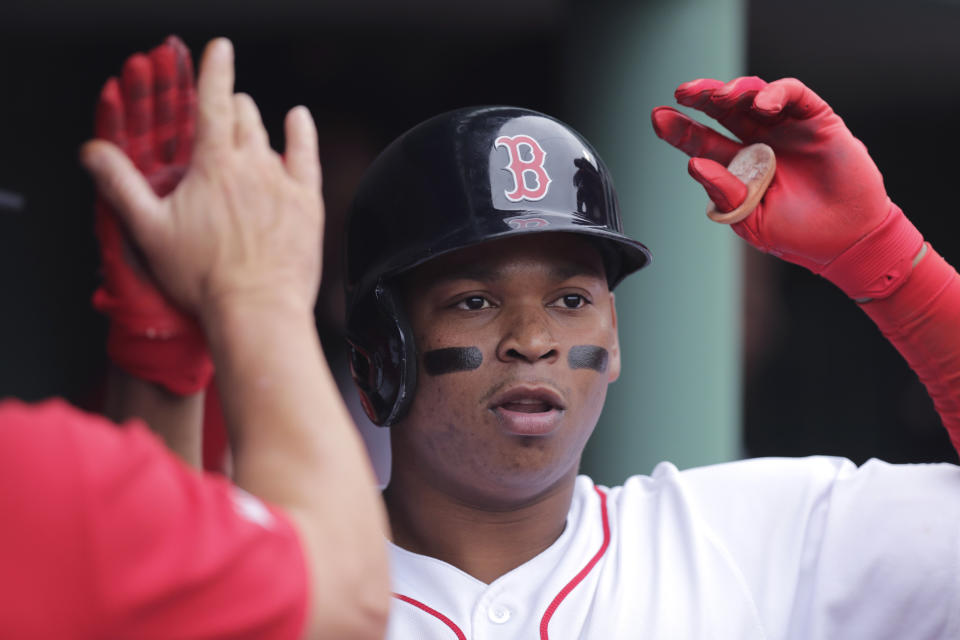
459, 179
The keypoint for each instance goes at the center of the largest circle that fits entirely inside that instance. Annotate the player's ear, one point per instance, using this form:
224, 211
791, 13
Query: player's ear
613, 372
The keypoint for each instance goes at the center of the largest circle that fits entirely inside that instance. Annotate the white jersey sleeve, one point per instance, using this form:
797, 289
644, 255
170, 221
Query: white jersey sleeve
830, 550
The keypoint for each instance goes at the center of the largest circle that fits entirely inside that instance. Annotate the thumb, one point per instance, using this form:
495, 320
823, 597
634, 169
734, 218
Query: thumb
725, 189
124, 187
737, 189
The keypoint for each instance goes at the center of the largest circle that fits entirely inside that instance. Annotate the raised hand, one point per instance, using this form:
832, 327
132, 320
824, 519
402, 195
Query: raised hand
150, 114
238, 243
826, 207
243, 222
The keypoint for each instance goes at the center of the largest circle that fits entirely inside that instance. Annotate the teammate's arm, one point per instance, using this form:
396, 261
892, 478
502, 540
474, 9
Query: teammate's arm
238, 244
827, 210
161, 363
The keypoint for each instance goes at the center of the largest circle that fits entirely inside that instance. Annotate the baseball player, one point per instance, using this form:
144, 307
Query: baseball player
107, 535
482, 250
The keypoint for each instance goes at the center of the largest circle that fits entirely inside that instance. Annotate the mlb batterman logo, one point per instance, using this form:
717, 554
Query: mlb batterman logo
525, 164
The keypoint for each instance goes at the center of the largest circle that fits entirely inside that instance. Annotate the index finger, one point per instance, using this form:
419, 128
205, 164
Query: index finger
691, 137
215, 95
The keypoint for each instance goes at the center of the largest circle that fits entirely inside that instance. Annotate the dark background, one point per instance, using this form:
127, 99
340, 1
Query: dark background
819, 377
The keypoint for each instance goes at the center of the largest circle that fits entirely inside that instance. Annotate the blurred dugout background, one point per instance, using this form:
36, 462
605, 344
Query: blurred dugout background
726, 352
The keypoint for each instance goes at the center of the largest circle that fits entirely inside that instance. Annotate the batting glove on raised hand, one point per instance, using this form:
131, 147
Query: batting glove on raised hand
150, 113
826, 207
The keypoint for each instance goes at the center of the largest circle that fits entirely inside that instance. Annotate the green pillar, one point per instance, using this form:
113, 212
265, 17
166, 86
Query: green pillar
679, 395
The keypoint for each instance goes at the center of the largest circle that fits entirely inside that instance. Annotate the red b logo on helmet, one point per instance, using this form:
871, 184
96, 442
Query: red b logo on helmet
520, 167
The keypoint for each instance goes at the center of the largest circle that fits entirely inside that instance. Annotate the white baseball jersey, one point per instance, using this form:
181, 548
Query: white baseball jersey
799, 549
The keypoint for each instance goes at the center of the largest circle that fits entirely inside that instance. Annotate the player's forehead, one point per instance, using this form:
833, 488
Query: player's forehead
558, 256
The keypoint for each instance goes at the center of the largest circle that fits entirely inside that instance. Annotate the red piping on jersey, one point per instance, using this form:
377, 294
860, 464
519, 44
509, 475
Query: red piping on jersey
436, 614
545, 622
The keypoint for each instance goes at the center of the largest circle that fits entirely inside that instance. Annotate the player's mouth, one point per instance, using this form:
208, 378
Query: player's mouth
528, 410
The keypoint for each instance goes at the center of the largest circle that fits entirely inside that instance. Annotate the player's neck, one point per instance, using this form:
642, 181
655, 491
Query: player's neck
484, 543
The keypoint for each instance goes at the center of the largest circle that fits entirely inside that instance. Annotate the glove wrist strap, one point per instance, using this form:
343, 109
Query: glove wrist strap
181, 364
879, 263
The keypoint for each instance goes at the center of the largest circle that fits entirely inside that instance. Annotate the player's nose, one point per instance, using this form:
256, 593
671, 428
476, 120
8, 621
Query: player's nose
527, 336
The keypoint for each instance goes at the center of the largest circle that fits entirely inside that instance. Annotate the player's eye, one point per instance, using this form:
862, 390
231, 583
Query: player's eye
571, 301
474, 303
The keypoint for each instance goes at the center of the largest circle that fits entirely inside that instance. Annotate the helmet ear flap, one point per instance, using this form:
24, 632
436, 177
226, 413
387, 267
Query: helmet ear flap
366, 376
383, 359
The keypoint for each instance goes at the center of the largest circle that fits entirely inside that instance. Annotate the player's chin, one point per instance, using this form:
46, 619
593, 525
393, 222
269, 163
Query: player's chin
534, 472
537, 460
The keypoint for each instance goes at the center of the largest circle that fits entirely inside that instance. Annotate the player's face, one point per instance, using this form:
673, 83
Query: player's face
517, 342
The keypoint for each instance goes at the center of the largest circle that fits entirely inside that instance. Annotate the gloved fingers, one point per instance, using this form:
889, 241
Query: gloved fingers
696, 94
166, 88
790, 97
109, 125
301, 154
125, 188
186, 107
734, 109
691, 137
738, 93
248, 128
215, 114
723, 188
737, 189
110, 121
749, 107
137, 87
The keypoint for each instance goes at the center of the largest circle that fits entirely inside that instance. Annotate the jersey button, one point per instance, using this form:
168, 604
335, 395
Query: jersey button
498, 614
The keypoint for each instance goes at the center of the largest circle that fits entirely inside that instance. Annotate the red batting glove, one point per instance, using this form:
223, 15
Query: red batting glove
150, 113
826, 208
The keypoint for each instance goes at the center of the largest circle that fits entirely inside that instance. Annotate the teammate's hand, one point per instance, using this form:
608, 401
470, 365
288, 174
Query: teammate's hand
149, 113
826, 208
243, 221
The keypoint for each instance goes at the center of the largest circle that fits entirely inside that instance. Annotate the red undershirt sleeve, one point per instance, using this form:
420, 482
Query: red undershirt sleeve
922, 320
